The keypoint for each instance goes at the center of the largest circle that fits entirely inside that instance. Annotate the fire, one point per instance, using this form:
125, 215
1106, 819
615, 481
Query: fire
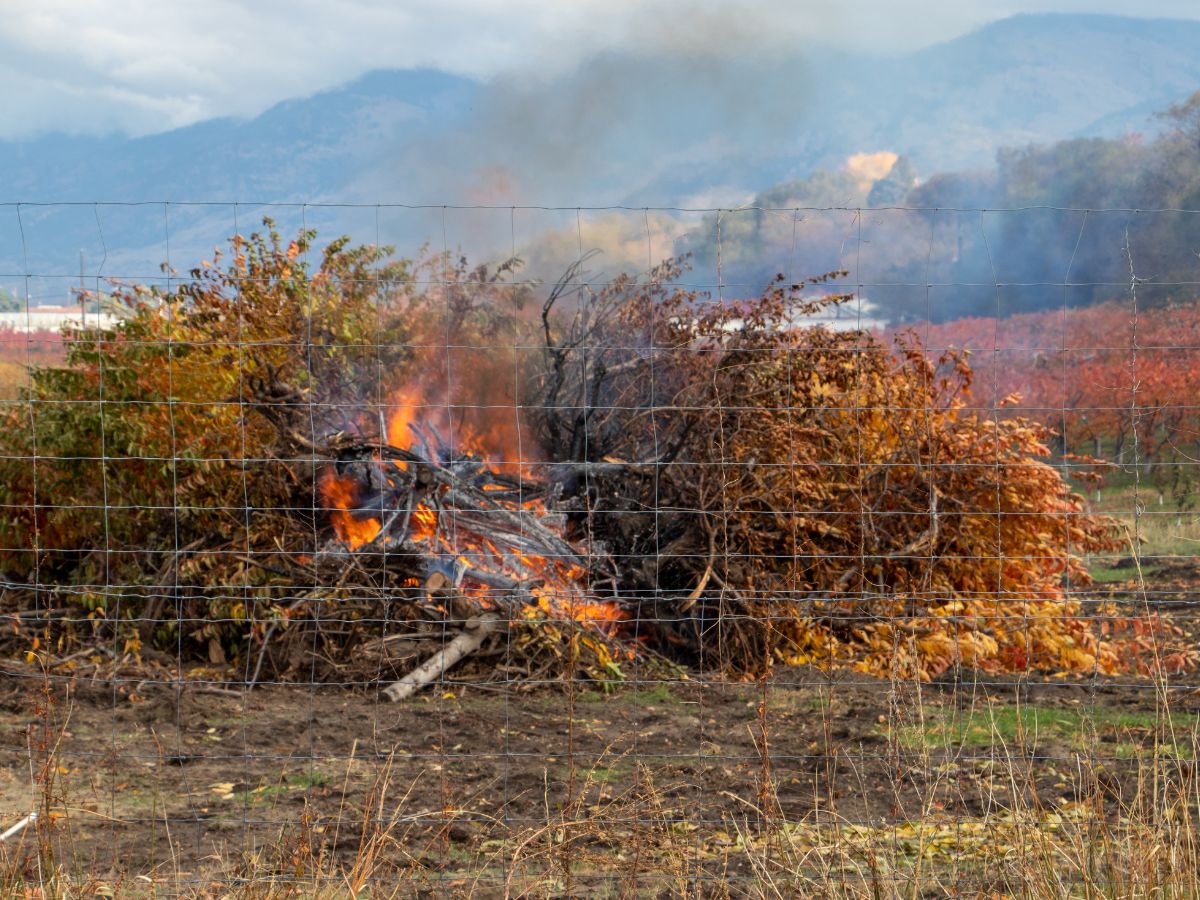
424, 523
501, 447
428, 430
404, 415
502, 444
595, 614
339, 493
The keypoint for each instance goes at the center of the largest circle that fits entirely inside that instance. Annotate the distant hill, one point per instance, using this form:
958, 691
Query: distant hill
1032, 78
298, 149
635, 131
1026, 79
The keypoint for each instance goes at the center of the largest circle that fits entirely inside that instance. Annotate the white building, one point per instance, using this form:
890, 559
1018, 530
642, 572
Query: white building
52, 318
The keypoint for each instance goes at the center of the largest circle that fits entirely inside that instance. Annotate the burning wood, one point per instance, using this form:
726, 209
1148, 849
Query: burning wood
479, 545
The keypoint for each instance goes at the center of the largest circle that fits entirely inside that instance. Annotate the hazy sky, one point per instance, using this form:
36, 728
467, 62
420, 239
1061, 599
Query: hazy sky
140, 66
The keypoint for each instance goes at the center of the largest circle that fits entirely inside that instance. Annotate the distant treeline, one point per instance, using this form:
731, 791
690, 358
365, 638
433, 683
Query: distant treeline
1077, 372
1068, 224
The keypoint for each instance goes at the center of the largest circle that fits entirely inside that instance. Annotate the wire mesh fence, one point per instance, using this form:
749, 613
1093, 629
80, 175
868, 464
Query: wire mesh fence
766, 552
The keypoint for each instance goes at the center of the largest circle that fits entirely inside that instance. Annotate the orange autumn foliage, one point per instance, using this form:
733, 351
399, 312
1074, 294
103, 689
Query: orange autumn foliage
832, 499
791, 492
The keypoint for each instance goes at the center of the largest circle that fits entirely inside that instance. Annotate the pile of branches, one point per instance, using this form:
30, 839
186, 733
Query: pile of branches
184, 521
745, 485
467, 547
780, 490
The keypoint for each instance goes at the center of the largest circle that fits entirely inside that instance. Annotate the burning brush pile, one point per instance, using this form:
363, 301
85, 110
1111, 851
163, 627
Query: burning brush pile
434, 512
373, 470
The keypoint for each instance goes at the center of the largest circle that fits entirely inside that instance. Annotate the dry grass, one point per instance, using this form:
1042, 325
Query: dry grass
620, 832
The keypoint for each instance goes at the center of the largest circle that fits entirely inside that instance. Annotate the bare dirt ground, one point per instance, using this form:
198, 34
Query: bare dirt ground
158, 788
176, 784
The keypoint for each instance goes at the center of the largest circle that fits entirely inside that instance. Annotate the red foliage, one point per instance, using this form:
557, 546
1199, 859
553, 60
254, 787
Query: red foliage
21, 349
1097, 374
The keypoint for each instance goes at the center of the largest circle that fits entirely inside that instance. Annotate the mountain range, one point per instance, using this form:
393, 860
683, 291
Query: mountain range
617, 130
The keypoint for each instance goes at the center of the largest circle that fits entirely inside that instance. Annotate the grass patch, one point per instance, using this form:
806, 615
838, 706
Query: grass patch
591, 696
1118, 575
1164, 529
647, 696
659, 694
1025, 725
607, 774
625, 693
268, 792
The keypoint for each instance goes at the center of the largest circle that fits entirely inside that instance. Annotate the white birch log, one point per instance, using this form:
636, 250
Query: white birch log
466, 642
19, 827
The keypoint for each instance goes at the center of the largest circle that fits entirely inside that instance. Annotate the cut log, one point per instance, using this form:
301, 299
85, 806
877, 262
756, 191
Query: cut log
19, 827
466, 642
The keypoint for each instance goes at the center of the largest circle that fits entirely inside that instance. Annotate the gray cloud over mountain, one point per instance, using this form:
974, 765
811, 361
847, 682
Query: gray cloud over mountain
144, 66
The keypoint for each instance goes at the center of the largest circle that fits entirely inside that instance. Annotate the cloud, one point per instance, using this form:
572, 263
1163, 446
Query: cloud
140, 66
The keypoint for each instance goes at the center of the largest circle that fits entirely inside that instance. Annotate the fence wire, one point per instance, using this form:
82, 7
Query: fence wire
534, 566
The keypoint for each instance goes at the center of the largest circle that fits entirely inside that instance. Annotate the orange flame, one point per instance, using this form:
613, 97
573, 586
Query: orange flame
424, 523
406, 408
600, 615
503, 447
338, 493
502, 443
